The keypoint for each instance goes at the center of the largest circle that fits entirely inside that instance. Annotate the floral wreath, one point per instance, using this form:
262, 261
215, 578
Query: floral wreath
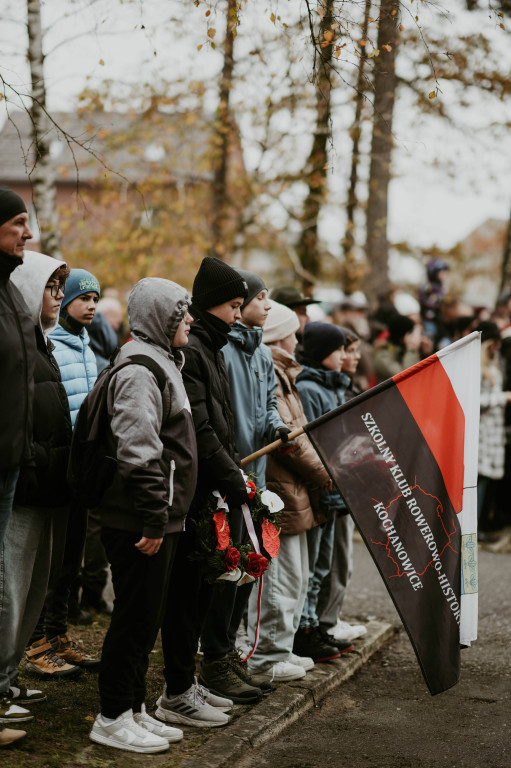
224, 560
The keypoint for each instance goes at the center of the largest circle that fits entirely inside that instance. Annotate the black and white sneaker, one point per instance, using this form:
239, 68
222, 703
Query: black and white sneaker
190, 708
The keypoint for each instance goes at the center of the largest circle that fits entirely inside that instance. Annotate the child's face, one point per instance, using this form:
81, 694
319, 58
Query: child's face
83, 308
181, 336
352, 358
229, 311
289, 343
255, 313
335, 360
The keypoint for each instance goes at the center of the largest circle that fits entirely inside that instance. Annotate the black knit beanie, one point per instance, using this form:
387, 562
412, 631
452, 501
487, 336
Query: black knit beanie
215, 283
11, 204
255, 284
320, 340
399, 326
488, 330
351, 336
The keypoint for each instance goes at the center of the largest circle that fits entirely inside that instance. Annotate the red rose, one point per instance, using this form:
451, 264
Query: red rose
221, 529
256, 564
251, 489
232, 558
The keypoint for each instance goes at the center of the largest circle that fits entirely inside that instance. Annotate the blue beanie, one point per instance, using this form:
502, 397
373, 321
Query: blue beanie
320, 340
79, 281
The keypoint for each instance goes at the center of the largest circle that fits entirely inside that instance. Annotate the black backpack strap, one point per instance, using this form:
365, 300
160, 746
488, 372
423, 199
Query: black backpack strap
153, 366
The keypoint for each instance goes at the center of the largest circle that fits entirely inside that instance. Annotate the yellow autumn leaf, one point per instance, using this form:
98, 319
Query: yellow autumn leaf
363, 43
432, 95
101, 63
211, 32
328, 35
337, 52
325, 167
401, 28
272, 18
387, 48
208, 13
199, 47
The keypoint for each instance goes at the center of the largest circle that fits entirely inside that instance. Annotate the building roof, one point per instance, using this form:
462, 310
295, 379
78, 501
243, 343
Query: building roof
99, 143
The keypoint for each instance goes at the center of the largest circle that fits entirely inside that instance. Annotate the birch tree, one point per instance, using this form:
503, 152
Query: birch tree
42, 175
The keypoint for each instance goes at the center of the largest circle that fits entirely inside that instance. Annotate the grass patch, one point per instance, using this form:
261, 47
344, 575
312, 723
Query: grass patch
58, 737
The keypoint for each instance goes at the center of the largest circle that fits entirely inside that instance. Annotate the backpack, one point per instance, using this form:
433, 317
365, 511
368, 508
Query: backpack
92, 458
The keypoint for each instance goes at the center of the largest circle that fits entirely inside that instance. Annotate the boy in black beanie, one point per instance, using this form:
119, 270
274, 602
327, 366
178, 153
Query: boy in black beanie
197, 608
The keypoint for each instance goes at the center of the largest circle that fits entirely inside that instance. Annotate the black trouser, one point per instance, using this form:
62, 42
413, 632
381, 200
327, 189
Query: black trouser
57, 598
69, 528
227, 605
95, 563
140, 585
198, 609
189, 596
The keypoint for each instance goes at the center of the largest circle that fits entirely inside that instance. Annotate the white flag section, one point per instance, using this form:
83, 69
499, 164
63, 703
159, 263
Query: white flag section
467, 389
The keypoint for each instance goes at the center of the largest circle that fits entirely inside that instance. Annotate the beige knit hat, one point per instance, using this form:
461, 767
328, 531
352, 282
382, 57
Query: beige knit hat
280, 323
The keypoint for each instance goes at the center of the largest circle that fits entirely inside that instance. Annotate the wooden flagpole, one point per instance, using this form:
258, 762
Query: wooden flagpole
271, 447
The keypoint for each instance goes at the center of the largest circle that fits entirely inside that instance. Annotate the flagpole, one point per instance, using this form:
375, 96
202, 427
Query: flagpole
271, 447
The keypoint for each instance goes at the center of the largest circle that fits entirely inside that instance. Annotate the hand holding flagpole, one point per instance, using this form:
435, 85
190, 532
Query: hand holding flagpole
271, 447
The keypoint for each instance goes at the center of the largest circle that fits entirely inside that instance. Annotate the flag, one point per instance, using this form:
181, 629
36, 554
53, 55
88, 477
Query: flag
404, 457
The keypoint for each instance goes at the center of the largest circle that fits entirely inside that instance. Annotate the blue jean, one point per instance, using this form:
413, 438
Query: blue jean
320, 543
24, 571
8, 482
334, 587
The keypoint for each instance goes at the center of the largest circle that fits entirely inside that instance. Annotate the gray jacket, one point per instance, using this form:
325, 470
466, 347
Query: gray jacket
155, 438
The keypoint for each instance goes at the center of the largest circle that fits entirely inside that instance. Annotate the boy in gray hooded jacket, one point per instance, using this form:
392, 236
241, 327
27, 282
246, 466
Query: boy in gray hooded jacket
143, 510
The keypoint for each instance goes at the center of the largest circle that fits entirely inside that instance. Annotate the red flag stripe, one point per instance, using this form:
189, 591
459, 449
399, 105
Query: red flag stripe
443, 427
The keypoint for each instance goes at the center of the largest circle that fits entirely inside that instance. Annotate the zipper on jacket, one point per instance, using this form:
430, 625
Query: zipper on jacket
171, 481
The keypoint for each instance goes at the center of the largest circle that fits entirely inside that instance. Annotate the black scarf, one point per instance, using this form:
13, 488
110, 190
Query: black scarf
8, 264
216, 328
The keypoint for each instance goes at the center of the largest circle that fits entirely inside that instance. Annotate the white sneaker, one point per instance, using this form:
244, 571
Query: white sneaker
219, 702
124, 733
345, 632
154, 726
190, 708
302, 661
286, 670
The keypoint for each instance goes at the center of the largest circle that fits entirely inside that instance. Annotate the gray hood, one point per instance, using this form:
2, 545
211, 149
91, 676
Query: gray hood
155, 310
30, 279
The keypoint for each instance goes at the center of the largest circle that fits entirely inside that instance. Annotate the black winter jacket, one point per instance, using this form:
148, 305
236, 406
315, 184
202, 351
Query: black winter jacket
44, 485
207, 385
17, 356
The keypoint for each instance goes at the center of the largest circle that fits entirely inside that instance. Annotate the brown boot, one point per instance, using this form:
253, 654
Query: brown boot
66, 649
43, 661
9, 736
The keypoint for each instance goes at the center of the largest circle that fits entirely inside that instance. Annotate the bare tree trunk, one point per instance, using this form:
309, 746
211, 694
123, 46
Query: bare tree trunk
350, 267
377, 281
223, 131
315, 168
43, 176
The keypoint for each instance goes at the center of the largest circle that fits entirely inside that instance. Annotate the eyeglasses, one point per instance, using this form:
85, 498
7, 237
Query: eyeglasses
55, 288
